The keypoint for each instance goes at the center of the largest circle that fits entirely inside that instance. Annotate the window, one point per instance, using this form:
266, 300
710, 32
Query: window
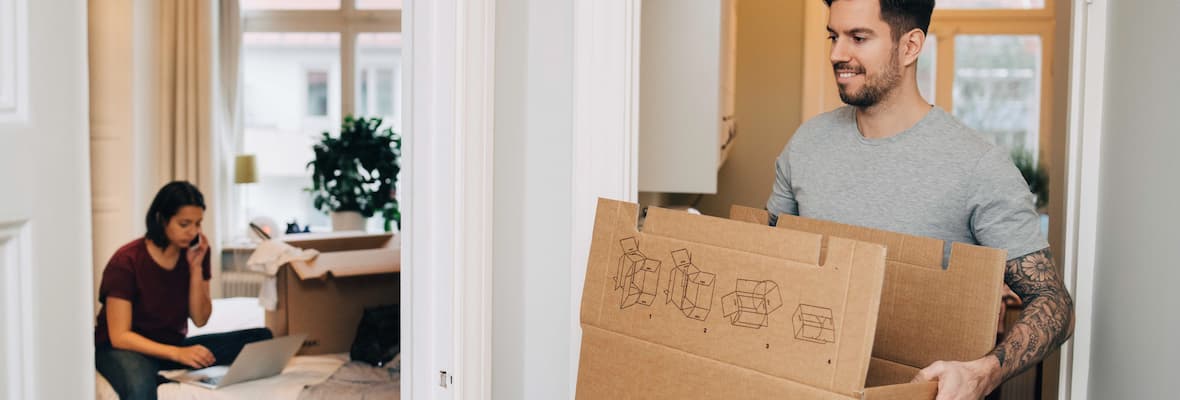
378, 76
317, 93
988, 69
998, 87
296, 59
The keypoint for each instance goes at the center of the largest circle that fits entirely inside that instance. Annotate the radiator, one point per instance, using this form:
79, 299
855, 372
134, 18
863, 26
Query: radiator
240, 284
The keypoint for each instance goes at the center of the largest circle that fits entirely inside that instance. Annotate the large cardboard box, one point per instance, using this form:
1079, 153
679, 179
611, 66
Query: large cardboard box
927, 313
325, 297
740, 311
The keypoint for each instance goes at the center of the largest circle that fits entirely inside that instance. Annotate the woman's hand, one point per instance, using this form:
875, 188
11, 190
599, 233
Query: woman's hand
196, 255
194, 356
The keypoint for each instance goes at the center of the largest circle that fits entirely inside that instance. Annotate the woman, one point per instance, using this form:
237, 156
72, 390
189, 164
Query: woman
149, 289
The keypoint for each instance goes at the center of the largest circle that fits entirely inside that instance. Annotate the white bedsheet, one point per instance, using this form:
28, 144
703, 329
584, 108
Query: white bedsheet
230, 315
300, 372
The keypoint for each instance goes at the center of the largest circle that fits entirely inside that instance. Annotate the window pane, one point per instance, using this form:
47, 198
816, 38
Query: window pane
290, 4
291, 93
992, 4
378, 63
362, 95
317, 93
998, 87
928, 68
379, 4
384, 91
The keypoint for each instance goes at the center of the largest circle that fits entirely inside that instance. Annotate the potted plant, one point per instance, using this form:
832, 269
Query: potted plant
1035, 175
354, 175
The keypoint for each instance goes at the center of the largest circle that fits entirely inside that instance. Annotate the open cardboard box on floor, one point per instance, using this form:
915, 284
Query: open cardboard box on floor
325, 297
702, 307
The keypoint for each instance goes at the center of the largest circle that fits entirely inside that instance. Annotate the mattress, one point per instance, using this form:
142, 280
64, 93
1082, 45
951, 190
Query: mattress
234, 314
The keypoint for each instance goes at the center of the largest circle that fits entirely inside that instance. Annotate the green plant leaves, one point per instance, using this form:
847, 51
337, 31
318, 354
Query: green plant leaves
357, 170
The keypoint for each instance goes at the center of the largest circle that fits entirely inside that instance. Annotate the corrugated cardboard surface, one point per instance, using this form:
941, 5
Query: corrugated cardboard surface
326, 297
771, 321
927, 313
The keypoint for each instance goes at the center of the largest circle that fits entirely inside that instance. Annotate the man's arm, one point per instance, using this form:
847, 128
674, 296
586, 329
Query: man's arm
1045, 323
1047, 319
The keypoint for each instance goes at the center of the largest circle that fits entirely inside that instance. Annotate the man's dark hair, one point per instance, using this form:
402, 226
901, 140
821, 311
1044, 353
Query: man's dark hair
167, 203
904, 15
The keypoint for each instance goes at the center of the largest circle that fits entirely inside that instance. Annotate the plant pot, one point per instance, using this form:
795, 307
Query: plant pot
347, 221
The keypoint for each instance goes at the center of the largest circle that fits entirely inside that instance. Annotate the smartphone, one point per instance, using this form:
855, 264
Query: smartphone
196, 241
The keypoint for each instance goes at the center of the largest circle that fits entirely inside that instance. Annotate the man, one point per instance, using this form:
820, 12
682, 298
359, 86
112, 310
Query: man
890, 160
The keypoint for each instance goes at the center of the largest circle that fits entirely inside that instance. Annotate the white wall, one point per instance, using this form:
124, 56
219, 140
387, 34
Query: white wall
1134, 349
123, 93
531, 332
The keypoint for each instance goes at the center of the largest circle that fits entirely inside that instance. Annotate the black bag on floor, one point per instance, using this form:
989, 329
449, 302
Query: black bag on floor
378, 337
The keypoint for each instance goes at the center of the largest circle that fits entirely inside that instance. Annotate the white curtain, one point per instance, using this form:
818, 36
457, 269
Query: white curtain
186, 97
199, 47
228, 135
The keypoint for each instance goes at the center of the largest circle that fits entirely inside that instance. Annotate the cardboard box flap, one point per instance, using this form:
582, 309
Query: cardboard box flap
340, 241
803, 247
349, 254
925, 390
704, 286
615, 366
927, 313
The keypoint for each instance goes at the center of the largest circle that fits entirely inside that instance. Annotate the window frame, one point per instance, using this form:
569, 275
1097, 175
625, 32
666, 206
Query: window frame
348, 21
308, 69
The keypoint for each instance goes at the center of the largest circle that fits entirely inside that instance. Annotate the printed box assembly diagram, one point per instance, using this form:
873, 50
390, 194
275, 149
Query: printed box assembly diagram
814, 324
750, 305
689, 288
637, 275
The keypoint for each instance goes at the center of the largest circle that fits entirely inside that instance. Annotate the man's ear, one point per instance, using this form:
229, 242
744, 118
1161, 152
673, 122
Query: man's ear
911, 46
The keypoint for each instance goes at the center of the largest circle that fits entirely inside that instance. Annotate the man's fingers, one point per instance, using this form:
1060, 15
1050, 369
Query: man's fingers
929, 374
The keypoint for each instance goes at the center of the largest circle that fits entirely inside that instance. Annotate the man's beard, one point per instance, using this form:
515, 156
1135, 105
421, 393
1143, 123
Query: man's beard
874, 89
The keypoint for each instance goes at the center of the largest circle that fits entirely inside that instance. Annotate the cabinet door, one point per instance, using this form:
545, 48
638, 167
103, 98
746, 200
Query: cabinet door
685, 94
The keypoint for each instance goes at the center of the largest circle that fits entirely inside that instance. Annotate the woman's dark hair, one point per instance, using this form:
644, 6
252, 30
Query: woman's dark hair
168, 201
904, 15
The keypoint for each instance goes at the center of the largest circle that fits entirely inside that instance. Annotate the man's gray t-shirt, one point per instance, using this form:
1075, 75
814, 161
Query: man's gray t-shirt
937, 179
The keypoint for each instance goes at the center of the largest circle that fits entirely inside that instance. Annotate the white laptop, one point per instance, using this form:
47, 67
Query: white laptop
257, 360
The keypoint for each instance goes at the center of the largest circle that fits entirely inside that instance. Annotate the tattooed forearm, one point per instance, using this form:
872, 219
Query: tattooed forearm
1047, 320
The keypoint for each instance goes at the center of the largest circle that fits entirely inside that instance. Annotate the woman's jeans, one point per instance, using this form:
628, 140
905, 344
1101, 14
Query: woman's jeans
133, 375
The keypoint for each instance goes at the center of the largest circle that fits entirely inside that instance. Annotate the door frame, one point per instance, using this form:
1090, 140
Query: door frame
447, 195
1085, 125
605, 128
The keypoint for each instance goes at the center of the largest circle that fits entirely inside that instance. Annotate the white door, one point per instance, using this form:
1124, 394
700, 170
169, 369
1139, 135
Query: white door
46, 317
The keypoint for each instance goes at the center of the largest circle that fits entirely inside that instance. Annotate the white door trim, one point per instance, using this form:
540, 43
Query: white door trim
14, 60
605, 127
447, 196
474, 186
1087, 91
16, 338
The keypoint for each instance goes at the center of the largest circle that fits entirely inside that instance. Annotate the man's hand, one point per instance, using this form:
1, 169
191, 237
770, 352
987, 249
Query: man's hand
194, 356
1045, 323
962, 380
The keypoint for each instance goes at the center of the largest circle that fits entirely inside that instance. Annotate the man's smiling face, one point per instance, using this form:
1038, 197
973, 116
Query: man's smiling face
864, 53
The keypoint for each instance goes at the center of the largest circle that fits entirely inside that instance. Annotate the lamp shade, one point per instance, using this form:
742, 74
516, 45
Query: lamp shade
244, 169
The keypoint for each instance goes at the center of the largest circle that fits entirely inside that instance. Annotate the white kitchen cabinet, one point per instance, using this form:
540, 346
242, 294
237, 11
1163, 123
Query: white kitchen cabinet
686, 93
